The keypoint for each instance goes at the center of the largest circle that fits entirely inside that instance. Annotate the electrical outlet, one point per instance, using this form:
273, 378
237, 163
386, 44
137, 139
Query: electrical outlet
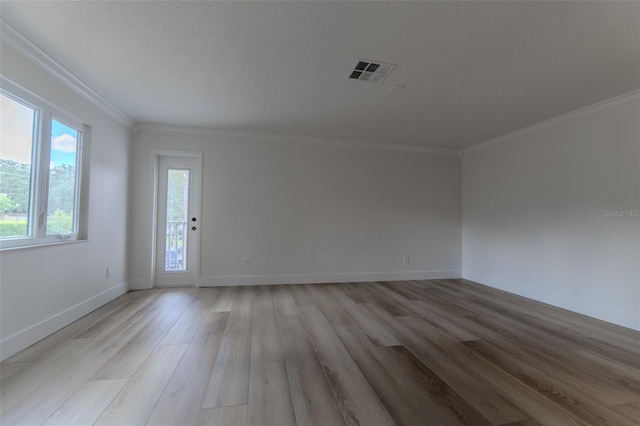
246, 262
405, 259
107, 273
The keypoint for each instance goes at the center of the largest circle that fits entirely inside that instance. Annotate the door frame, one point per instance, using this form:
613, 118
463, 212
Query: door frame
197, 157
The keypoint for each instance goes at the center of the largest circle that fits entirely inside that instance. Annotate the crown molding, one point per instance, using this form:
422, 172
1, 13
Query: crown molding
606, 104
273, 137
11, 36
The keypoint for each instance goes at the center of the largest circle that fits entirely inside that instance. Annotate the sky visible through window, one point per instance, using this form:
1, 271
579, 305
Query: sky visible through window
17, 133
63, 144
16, 130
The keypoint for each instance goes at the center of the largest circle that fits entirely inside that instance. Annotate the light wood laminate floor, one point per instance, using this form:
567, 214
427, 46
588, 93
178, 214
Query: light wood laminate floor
440, 352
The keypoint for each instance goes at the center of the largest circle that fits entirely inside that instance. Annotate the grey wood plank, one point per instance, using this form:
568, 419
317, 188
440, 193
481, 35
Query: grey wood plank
223, 301
181, 400
627, 371
183, 330
21, 383
87, 404
176, 305
72, 371
284, 301
233, 415
358, 402
405, 407
563, 395
313, 401
128, 311
301, 295
44, 346
229, 383
269, 395
265, 336
127, 360
13, 370
630, 411
135, 402
484, 398
331, 310
508, 389
366, 320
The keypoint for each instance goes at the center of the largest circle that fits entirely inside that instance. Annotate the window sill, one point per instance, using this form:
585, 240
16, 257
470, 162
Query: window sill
53, 243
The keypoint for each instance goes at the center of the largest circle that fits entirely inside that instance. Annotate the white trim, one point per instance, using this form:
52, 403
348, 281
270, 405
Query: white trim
242, 280
584, 307
272, 137
48, 244
32, 334
609, 103
55, 69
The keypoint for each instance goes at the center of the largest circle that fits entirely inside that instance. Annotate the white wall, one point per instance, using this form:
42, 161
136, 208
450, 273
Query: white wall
45, 288
534, 212
307, 211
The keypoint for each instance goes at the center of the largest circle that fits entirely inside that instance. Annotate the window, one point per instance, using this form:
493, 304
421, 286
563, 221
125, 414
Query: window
40, 172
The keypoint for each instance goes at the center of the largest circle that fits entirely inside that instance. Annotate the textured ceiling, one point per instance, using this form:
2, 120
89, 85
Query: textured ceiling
471, 71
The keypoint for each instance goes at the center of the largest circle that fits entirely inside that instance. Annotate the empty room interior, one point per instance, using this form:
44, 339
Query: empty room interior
319, 213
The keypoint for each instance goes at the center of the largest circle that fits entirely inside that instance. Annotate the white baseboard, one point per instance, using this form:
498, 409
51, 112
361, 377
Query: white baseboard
27, 337
580, 306
240, 280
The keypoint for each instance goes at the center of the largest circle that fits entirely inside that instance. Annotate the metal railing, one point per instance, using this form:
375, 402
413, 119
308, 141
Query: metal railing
175, 251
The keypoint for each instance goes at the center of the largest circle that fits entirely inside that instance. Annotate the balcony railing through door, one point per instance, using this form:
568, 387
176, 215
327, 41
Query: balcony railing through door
175, 246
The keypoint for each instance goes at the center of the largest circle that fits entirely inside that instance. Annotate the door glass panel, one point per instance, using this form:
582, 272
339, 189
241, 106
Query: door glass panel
176, 227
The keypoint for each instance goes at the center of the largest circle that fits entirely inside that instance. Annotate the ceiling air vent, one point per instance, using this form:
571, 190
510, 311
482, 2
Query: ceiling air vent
372, 71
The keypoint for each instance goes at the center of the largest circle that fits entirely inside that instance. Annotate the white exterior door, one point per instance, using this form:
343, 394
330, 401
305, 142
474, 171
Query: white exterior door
177, 221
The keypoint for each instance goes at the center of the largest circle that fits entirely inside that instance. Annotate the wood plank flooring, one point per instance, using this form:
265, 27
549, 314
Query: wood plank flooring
440, 352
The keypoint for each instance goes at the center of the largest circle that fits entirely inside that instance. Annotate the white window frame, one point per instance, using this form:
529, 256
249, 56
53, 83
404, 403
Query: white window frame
45, 113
